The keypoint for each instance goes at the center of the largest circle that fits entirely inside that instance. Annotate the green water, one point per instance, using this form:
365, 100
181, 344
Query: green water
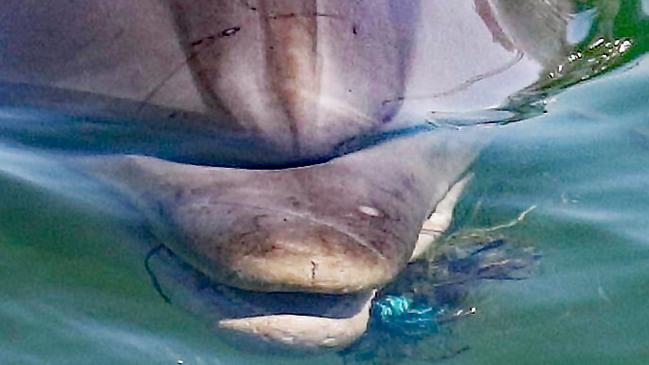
586, 167
69, 294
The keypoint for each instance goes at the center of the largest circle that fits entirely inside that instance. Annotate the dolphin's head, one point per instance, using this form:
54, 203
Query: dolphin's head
305, 229
333, 90
330, 233
317, 241
306, 78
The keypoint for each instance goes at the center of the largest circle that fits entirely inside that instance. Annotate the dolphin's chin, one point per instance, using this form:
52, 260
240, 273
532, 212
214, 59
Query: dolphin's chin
263, 320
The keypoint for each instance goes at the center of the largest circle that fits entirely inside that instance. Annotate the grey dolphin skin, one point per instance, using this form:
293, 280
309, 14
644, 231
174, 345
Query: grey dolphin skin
329, 100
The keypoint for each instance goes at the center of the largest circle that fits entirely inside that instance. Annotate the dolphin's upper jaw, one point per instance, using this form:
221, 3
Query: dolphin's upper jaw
285, 252
261, 248
323, 229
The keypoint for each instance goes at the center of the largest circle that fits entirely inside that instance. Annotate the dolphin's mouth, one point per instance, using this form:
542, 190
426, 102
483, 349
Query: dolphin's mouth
310, 245
273, 320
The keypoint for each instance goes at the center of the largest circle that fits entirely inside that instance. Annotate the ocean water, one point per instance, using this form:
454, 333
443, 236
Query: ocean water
585, 166
69, 294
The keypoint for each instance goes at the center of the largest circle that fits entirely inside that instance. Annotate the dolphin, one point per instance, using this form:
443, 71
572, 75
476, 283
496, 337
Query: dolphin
327, 171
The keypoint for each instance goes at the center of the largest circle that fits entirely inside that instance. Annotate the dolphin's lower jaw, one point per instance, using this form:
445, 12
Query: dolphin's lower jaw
346, 226
285, 253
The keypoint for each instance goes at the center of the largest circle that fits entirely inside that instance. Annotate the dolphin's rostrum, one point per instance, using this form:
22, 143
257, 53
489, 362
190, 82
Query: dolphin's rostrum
296, 79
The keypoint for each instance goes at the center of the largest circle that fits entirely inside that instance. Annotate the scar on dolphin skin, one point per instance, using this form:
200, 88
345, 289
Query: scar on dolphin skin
246, 4
210, 38
314, 268
225, 33
463, 85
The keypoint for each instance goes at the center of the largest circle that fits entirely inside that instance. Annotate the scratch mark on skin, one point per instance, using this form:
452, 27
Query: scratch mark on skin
246, 4
307, 15
314, 268
462, 86
256, 248
157, 87
304, 215
225, 33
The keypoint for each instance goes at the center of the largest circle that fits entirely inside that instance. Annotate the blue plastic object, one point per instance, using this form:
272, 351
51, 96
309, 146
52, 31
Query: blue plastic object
399, 313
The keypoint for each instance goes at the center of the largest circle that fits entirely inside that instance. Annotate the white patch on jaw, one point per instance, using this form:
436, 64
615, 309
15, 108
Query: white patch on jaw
371, 211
